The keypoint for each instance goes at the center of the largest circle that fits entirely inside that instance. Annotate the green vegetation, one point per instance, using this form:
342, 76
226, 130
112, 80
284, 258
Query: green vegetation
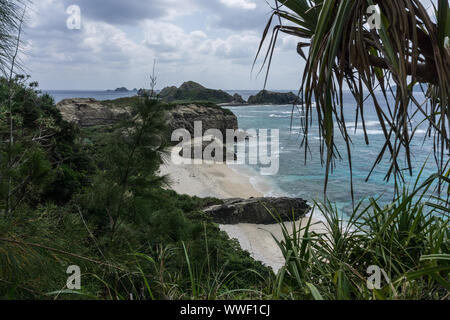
409, 240
92, 198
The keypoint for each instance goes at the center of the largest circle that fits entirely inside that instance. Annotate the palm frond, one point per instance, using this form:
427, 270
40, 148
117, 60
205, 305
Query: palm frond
406, 50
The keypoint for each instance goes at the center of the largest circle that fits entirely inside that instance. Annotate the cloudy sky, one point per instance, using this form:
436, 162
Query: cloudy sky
209, 41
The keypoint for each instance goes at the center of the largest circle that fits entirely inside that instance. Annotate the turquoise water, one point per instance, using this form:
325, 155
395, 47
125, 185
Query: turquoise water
297, 179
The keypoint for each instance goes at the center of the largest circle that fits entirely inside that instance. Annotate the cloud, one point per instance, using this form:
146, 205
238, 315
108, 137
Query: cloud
239, 4
120, 12
236, 15
117, 44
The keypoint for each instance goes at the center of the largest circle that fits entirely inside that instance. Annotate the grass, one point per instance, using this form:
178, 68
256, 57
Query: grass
408, 239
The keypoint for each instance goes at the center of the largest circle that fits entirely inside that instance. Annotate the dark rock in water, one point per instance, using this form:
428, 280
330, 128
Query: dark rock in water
269, 97
121, 89
193, 92
238, 99
254, 210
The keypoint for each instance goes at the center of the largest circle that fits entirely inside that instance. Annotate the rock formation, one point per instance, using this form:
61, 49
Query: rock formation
254, 210
238, 99
193, 92
211, 116
270, 97
88, 112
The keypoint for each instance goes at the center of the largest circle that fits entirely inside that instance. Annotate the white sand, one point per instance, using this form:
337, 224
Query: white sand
218, 180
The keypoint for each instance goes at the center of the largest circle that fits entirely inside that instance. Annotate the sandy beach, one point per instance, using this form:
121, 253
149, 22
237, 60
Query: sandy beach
220, 181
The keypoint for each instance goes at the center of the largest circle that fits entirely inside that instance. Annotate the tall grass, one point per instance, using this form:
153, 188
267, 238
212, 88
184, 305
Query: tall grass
407, 240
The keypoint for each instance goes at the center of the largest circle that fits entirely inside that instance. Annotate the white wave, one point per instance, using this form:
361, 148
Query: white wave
273, 115
370, 123
369, 132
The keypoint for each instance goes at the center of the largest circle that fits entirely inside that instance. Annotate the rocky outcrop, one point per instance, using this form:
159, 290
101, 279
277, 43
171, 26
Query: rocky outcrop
212, 117
237, 99
88, 112
255, 210
270, 97
193, 92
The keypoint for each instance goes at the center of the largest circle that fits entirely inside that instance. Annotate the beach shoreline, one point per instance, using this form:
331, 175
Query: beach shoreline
222, 182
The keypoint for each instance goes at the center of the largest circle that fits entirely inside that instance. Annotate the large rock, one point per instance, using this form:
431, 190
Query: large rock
237, 99
193, 92
212, 144
269, 97
254, 210
88, 112
211, 116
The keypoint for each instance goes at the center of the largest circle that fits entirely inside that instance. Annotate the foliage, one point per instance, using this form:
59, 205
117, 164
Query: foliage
11, 17
407, 48
42, 161
92, 198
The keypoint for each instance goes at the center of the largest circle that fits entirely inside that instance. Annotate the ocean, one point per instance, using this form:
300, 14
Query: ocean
306, 180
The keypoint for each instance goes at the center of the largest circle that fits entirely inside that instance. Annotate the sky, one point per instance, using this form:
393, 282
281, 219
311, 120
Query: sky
212, 42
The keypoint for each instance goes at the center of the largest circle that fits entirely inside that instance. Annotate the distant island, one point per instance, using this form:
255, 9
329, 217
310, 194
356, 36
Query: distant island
270, 97
122, 89
191, 91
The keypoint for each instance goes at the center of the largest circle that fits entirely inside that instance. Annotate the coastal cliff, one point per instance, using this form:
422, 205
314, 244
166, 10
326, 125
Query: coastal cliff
212, 117
87, 112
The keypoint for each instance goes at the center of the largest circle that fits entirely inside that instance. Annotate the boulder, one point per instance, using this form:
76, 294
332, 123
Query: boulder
88, 112
212, 144
254, 210
211, 116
